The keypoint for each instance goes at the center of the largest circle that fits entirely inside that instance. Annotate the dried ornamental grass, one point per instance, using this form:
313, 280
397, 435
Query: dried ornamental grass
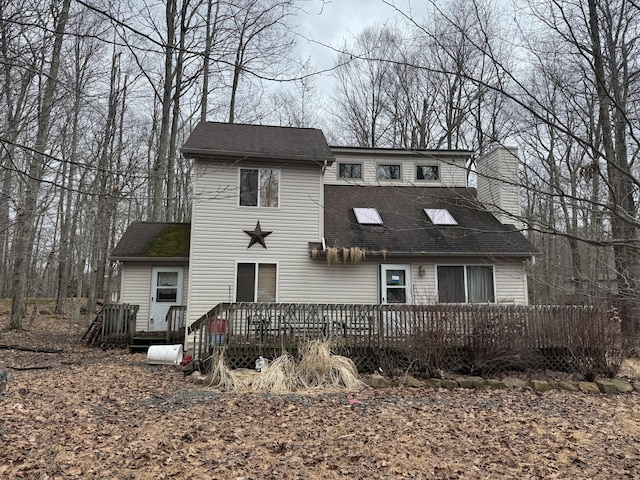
344, 373
280, 376
315, 363
223, 377
317, 368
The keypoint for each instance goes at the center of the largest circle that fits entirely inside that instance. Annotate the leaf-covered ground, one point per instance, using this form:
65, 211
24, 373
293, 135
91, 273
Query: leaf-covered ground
94, 414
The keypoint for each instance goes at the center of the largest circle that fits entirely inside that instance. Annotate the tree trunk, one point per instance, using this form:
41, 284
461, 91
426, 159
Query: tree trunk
159, 172
25, 217
106, 192
619, 178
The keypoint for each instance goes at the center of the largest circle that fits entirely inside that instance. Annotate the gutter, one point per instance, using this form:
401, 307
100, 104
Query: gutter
211, 155
151, 259
384, 253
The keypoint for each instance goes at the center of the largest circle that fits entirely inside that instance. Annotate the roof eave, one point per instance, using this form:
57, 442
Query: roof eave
397, 253
205, 154
400, 151
150, 259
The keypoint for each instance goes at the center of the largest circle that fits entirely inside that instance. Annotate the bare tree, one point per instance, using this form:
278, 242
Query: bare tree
364, 78
25, 217
259, 41
584, 55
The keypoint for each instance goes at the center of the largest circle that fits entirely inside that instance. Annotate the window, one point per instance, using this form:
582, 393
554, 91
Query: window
427, 172
350, 170
388, 172
259, 187
465, 284
440, 216
395, 283
367, 216
167, 287
256, 282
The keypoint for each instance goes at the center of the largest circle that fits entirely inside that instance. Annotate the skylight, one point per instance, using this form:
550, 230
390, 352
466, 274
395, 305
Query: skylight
440, 216
367, 216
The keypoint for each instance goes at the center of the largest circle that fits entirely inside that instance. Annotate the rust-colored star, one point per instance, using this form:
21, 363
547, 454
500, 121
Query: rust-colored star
257, 236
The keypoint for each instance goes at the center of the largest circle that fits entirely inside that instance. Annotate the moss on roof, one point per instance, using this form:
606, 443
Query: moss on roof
172, 242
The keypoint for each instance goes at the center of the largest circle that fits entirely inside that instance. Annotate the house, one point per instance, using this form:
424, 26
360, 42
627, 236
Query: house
280, 216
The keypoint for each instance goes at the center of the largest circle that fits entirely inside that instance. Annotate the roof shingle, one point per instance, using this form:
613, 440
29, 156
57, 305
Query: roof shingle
156, 240
406, 228
213, 139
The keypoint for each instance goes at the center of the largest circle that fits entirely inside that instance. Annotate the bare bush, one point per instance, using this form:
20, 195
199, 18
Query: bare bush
487, 339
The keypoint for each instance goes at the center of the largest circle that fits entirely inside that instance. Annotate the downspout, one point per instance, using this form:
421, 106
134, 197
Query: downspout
321, 206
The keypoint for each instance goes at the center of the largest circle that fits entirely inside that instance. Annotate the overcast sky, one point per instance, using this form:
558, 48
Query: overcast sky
331, 23
334, 22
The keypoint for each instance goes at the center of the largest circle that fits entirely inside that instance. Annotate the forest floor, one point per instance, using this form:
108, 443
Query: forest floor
87, 413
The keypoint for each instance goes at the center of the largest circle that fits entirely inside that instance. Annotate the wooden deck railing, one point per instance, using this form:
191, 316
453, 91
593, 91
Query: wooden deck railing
118, 324
480, 329
176, 322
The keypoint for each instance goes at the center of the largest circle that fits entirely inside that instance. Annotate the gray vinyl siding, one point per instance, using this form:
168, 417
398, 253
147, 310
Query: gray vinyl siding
336, 283
360, 283
135, 289
511, 283
218, 240
136, 285
498, 187
510, 280
452, 172
218, 243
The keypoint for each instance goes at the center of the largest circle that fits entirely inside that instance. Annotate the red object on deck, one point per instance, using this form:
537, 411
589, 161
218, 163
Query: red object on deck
219, 325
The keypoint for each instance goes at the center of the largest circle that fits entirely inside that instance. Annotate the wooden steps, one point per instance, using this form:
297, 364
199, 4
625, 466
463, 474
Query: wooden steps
141, 341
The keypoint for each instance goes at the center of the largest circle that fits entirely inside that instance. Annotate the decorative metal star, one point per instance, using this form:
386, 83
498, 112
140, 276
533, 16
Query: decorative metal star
257, 236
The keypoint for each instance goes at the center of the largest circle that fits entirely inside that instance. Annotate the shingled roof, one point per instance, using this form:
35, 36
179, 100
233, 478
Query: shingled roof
406, 229
153, 240
232, 140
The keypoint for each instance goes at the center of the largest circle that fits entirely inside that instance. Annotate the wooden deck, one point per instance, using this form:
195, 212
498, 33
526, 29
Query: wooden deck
450, 336
115, 327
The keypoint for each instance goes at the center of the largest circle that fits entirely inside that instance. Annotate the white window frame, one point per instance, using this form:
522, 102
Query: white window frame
466, 284
385, 164
436, 180
350, 178
384, 287
259, 170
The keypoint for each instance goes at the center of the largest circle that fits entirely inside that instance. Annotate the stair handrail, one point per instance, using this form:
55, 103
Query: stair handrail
213, 313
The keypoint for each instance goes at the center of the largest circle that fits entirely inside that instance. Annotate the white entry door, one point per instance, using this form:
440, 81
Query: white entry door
395, 283
166, 290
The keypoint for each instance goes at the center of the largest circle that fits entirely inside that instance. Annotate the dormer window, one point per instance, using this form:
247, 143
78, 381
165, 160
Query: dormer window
259, 187
427, 172
440, 216
350, 170
367, 216
388, 172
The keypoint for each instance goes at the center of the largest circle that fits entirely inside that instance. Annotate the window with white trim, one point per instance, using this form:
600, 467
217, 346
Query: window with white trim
465, 284
388, 172
259, 187
350, 170
256, 282
427, 172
